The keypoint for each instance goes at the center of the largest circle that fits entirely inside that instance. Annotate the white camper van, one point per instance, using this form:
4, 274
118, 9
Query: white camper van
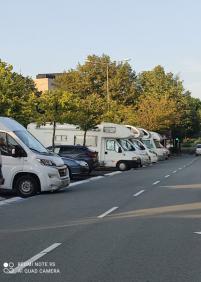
27, 166
153, 141
108, 139
136, 136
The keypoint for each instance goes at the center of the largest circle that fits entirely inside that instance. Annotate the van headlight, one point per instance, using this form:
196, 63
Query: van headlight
82, 163
46, 162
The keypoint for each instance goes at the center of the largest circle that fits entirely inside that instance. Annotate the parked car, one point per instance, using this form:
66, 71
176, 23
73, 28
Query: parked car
77, 152
198, 150
76, 168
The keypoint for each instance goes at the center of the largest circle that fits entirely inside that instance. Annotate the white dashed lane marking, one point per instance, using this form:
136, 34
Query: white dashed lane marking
156, 182
12, 200
113, 173
138, 193
107, 212
36, 257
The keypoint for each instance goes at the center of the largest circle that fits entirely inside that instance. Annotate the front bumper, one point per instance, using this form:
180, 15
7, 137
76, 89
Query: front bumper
55, 178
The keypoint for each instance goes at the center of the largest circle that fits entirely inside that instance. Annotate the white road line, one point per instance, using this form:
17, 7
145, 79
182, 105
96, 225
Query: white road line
180, 168
156, 182
96, 177
12, 200
138, 193
79, 182
113, 173
199, 233
174, 171
34, 258
107, 212
167, 176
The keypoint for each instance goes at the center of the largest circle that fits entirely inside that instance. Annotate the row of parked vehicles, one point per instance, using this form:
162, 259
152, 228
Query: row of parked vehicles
31, 164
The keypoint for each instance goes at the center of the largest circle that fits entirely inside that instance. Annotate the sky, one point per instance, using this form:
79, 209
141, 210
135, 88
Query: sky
44, 36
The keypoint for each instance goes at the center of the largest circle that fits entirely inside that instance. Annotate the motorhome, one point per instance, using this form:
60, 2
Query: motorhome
27, 166
136, 137
108, 139
153, 141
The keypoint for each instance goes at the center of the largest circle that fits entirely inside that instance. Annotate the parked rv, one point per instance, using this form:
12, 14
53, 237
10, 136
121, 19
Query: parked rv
108, 139
153, 141
153, 157
28, 167
136, 137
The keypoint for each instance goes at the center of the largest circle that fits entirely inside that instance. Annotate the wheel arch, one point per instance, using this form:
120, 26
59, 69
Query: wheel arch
124, 162
19, 174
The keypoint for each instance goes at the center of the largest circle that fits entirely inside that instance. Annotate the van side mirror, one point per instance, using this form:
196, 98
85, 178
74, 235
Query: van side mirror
18, 152
119, 150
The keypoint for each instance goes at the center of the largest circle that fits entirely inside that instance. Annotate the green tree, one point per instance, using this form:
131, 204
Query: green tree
16, 93
191, 123
89, 112
91, 77
56, 106
118, 113
157, 84
156, 113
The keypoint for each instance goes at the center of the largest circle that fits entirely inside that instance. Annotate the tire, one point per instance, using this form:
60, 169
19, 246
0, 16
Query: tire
122, 166
26, 186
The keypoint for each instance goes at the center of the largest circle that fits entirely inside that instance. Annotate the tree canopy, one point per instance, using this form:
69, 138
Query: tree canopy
104, 90
16, 93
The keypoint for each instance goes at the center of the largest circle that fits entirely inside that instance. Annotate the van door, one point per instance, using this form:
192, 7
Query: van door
10, 164
111, 153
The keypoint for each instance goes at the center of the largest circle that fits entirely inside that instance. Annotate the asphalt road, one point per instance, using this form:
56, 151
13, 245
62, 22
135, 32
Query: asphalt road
138, 226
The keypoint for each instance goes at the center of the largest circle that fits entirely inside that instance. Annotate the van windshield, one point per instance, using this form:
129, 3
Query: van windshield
158, 144
148, 144
126, 145
31, 142
138, 145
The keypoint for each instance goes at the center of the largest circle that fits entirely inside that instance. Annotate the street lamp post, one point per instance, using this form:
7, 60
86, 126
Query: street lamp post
107, 78
108, 94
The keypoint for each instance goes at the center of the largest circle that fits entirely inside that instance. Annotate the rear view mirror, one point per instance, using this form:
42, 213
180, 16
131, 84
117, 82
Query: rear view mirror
119, 150
18, 152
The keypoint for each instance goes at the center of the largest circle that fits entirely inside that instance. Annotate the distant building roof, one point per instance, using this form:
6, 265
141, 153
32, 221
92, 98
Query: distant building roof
48, 75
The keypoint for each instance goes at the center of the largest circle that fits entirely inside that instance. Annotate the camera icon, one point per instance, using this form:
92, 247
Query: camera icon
8, 267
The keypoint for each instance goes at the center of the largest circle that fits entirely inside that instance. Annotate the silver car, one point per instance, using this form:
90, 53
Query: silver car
198, 150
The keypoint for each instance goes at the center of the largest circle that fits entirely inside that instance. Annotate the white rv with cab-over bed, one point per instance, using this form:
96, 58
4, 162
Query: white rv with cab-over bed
108, 139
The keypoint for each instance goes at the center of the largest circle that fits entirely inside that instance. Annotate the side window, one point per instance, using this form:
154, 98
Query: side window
66, 150
3, 144
57, 150
7, 143
11, 144
111, 145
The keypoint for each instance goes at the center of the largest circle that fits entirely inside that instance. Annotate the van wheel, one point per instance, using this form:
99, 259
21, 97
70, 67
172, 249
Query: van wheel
122, 166
26, 186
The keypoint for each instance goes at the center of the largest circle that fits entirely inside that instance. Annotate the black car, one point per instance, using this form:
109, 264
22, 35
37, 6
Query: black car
78, 152
76, 168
